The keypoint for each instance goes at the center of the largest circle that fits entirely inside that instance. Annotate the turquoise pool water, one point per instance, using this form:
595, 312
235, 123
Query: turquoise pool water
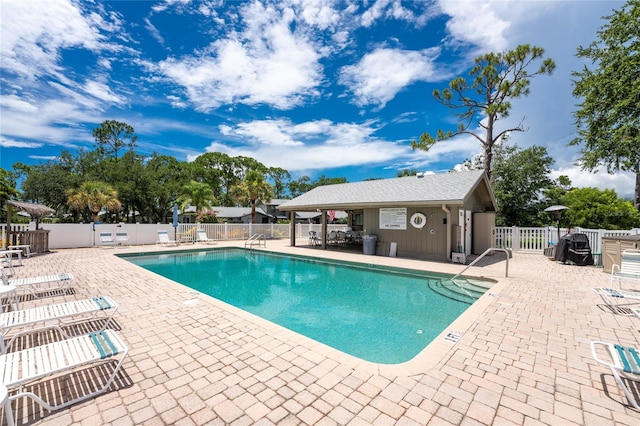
382, 315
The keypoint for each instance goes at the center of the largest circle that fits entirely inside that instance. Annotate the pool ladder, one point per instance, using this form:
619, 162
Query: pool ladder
256, 240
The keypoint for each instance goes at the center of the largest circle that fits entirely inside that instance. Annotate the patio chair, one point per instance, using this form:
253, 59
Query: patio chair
314, 240
32, 284
25, 367
332, 238
18, 323
624, 363
341, 237
202, 237
122, 238
613, 298
7, 262
106, 239
629, 268
163, 239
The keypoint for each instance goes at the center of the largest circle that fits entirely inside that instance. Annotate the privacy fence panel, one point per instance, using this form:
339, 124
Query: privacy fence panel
67, 235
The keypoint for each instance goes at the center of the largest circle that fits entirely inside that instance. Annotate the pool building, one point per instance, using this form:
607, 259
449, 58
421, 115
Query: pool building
427, 216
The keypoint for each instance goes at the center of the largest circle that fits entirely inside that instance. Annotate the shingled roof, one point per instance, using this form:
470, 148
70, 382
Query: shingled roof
429, 189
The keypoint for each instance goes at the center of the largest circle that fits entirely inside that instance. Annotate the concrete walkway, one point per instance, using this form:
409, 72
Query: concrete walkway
523, 357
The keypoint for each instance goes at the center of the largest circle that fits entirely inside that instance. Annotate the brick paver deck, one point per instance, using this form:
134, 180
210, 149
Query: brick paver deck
523, 357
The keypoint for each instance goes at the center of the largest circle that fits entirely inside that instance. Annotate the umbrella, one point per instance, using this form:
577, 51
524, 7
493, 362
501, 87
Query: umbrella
175, 215
557, 211
175, 221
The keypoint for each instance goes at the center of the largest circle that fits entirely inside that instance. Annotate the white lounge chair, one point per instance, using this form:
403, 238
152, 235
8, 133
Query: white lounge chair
202, 237
618, 299
106, 239
14, 324
122, 238
32, 284
21, 368
163, 239
624, 362
629, 268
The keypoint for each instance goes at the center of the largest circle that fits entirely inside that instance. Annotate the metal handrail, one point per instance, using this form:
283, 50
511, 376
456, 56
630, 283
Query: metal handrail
506, 272
256, 239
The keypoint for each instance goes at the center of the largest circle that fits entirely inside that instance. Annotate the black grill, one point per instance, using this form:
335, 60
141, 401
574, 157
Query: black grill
574, 249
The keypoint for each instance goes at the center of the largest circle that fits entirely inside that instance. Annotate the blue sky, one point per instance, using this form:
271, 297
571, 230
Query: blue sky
315, 87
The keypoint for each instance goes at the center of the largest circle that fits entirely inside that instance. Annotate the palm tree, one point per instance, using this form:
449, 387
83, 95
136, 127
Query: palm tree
94, 195
254, 187
197, 194
7, 187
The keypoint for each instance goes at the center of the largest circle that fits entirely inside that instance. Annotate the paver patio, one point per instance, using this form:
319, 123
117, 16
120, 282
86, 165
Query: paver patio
523, 357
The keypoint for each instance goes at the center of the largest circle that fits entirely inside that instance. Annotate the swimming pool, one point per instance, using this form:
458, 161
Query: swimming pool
382, 315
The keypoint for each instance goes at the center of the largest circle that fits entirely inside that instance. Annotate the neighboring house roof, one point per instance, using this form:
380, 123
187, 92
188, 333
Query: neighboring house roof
236, 212
434, 189
229, 212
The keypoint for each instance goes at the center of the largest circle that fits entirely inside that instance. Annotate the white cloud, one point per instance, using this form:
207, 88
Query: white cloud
319, 14
267, 64
394, 9
381, 74
153, 31
322, 144
11, 143
267, 132
478, 23
44, 157
621, 182
13, 102
35, 31
313, 145
102, 92
51, 122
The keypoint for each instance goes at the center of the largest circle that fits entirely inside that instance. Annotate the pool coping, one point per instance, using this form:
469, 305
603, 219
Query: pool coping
429, 357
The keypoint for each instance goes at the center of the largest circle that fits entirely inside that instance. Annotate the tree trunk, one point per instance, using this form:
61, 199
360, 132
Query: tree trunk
488, 147
636, 197
253, 211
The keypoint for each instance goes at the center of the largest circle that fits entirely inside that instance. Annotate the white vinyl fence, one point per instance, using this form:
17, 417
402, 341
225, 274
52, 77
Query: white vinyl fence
67, 235
537, 239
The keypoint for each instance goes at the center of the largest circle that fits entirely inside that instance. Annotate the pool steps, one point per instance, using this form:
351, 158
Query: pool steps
462, 290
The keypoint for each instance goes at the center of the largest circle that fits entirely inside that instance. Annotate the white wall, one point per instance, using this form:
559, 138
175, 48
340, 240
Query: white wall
68, 235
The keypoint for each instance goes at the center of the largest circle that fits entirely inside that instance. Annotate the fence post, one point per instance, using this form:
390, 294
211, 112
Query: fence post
515, 239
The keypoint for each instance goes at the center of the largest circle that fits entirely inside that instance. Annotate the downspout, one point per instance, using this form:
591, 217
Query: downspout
448, 213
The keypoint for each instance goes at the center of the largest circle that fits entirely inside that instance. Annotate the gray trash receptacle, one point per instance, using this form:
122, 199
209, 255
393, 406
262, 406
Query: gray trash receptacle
369, 244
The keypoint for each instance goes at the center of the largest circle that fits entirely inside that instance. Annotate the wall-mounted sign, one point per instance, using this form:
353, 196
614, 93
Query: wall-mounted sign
393, 218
